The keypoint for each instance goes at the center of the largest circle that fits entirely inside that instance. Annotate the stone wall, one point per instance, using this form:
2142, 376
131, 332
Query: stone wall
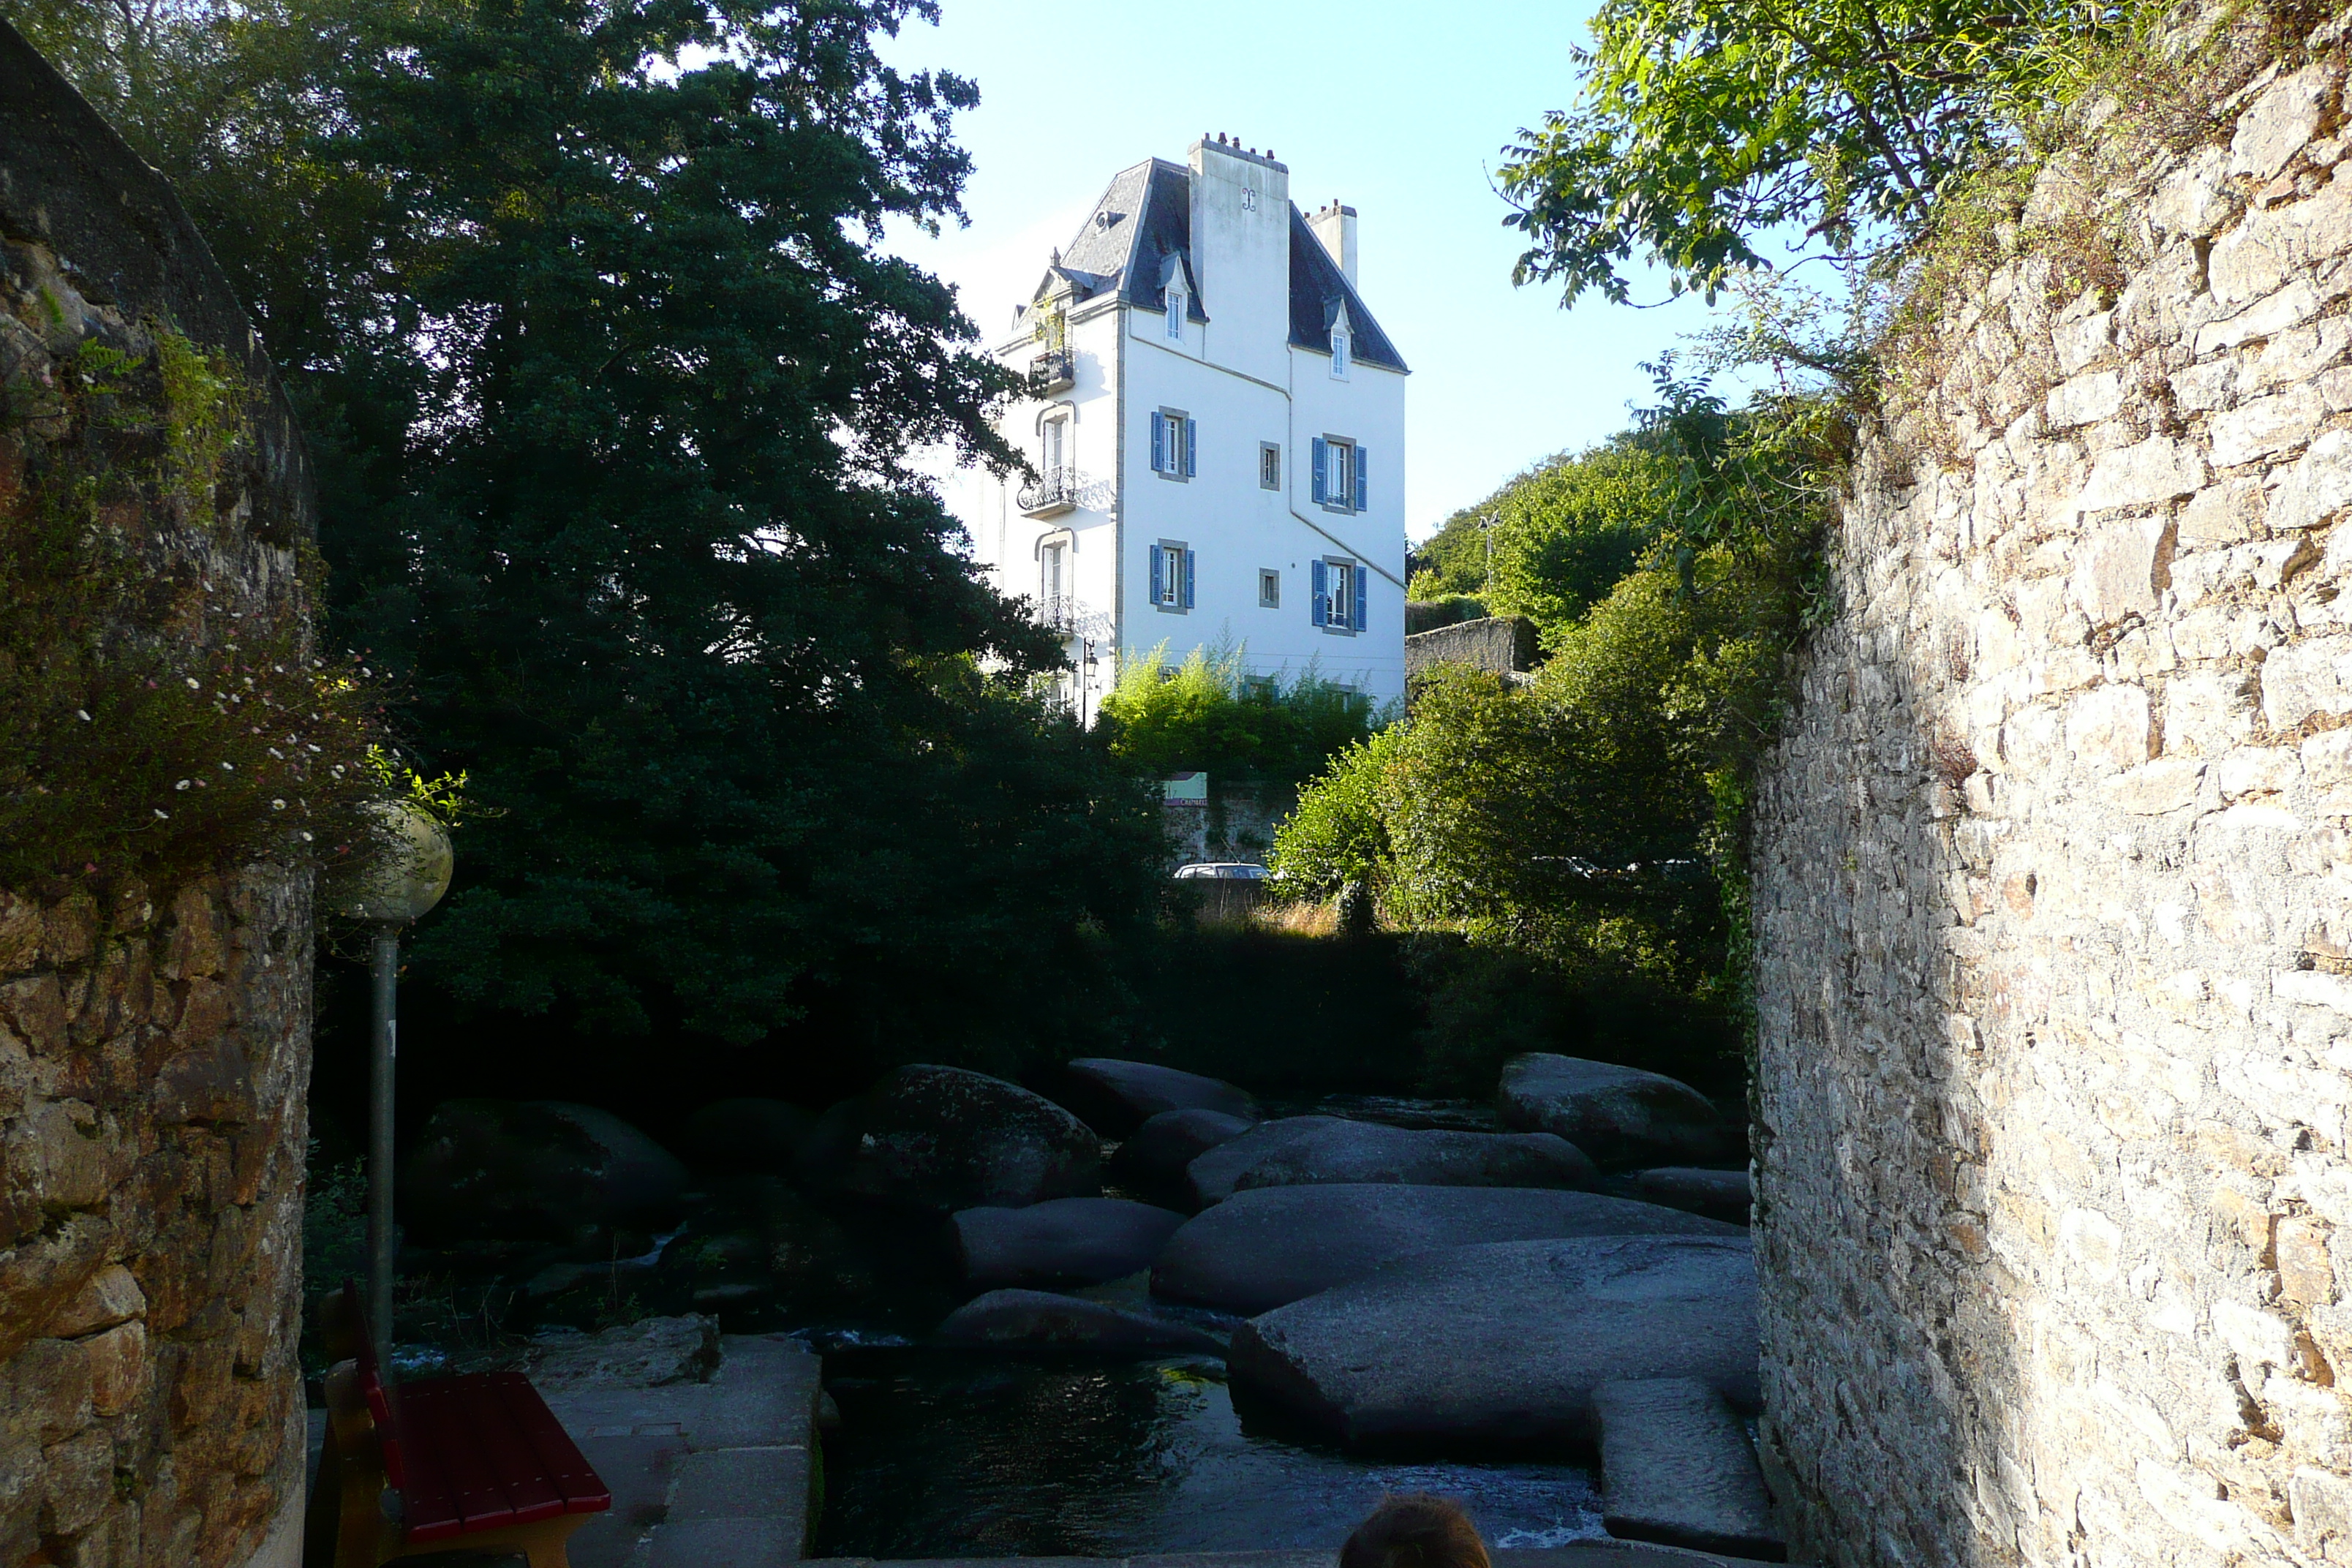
1502, 645
2053, 897
154, 1044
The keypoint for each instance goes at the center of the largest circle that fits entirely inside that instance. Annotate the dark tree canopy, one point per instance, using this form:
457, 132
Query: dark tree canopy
1703, 124
614, 394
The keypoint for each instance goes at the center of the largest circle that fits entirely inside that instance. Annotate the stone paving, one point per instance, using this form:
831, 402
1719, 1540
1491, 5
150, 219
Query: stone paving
703, 1475
1585, 1554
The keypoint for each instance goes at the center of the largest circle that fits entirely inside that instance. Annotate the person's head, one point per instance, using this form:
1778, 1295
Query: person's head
1415, 1533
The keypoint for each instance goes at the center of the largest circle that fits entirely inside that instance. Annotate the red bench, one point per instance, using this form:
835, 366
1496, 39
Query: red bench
469, 1463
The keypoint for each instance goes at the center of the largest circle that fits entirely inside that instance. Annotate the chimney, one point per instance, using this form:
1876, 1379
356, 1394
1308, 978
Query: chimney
1335, 226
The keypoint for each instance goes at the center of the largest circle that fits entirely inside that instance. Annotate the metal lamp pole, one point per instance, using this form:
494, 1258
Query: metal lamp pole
383, 968
399, 883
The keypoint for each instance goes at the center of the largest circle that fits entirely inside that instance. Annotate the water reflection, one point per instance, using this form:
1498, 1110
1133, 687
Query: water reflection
954, 1453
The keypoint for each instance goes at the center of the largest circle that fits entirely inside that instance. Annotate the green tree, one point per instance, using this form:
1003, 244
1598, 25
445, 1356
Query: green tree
1552, 541
613, 394
1703, 124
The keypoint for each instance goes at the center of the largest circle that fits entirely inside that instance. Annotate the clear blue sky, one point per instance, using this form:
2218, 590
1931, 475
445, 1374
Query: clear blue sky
1399, 110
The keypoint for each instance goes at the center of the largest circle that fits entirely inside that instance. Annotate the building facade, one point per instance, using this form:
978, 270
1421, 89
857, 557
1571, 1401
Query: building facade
1217, 428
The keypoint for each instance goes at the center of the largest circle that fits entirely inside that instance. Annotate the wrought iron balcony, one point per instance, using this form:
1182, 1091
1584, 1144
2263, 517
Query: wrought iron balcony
1056, 370
1058, 613
1052, 490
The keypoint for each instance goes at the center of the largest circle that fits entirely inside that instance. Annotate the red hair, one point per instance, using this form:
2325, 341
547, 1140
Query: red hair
1418, 1531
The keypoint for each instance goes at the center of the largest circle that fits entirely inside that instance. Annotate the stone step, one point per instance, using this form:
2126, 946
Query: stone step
1583, 1554
1676, 1469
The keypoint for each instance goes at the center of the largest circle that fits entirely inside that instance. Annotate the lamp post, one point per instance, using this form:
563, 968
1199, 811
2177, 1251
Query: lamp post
399, 883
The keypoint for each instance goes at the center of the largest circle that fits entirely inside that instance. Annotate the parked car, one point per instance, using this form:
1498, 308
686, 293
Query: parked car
1222, 871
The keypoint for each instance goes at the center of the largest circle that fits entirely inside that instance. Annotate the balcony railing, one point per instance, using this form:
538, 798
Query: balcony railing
1056, 370
1052, 490
1058, 613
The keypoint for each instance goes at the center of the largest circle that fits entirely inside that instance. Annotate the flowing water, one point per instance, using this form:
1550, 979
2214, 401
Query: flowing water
961, 1453
945, 1453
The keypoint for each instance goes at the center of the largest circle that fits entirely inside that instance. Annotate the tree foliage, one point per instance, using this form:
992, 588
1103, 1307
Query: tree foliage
1581, 817
1555, 539
1703, 124
613, 394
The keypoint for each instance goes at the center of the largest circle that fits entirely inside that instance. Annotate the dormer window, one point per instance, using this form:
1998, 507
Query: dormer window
1174, 296
1342, 345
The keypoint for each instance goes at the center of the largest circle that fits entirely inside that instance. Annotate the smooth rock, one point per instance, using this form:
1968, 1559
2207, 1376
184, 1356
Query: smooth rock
1065, 1241
1116, 1097
1502, 1344
542, 1169
1262, 1249
1676, 1469
1726, 1195
746, 1136
1310, 1151
652, 1352
942, 1139
1034, 1318
1153, 1160
1619, 1115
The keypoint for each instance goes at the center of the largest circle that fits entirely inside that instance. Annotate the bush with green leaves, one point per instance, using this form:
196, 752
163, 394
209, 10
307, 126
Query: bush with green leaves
1207, 714
1587, 820
1553, 541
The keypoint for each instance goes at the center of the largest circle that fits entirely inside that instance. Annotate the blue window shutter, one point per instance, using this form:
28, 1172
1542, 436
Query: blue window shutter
1321, 457
1358, 575
1191, 444
1190, 556
1158, 442
1319, 590
1363, 477
1158, 570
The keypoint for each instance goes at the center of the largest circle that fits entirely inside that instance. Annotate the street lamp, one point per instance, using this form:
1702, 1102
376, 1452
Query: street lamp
400, 882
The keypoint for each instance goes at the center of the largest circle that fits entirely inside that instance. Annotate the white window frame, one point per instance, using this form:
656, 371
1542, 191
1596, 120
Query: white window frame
1171, 555
1269, 476
1176, 444
1173, 298
1339, 460
1339, 607
1341, 350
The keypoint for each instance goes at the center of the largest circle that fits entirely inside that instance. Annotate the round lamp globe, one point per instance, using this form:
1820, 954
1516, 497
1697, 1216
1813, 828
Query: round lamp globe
405, 872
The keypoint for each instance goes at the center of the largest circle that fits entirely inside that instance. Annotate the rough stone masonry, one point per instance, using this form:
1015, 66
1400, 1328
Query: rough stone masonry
2054, 881
154, 1049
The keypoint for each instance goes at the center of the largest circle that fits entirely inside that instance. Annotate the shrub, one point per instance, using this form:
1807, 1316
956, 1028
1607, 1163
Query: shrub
1207, 714
160, 722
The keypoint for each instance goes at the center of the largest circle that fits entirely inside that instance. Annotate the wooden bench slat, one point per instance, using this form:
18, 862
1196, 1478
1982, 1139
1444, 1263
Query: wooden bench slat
560, 1457
434, 1416
428, 1502
531, 1493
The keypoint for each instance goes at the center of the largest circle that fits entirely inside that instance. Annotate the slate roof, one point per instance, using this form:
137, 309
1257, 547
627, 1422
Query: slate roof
1145, 216
1316, 287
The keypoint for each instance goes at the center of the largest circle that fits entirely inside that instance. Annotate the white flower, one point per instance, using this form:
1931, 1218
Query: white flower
314, 748
306, 838
83, 714
277, 805
163, 815
193, 685
228, 767
183, 784
278, 754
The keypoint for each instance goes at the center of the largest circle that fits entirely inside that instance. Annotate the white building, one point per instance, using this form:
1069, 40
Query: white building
1218, 428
